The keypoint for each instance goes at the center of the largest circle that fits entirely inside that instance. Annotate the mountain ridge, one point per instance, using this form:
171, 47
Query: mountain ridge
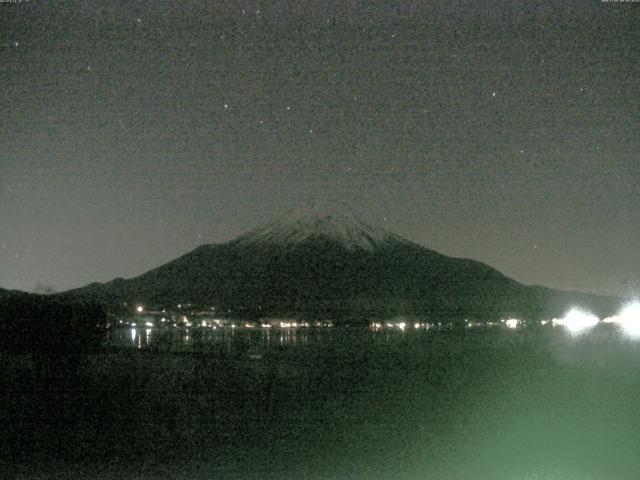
335, 265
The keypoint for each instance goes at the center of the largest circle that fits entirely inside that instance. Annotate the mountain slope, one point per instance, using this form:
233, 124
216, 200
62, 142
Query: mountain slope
6, 295
316, 264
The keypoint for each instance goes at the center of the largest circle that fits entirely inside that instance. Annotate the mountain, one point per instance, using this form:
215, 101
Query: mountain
52, 329
320, 263
6, 295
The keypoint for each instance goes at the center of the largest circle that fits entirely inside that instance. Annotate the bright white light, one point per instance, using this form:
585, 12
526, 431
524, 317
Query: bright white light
139, 309
512, 322
577, 321
149, 324
402, 325
629, 319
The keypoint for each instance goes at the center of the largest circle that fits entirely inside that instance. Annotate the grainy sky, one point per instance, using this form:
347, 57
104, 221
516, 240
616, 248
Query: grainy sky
508, 132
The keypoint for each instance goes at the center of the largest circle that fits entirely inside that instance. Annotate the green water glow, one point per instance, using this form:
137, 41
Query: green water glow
485, 403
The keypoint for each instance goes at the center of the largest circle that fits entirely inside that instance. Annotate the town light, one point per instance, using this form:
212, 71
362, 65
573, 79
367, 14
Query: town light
512, 322
577, 321
629, 319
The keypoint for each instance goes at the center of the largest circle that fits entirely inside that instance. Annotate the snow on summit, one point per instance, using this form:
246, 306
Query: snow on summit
321, 221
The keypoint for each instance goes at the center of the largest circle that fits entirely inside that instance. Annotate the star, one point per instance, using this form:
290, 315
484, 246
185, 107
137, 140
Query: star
493, 94
226, 106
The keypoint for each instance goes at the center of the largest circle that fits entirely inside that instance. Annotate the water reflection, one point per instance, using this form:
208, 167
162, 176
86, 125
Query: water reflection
231, 337
227, 339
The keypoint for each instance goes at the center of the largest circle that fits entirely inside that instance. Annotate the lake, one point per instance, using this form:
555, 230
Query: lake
333, 403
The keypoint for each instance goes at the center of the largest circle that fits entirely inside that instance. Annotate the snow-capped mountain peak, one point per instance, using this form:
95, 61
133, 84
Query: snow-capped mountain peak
320, 221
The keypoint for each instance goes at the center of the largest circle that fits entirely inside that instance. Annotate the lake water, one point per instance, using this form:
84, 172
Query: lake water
337, 403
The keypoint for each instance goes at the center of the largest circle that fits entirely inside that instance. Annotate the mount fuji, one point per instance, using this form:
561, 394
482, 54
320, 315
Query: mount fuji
324, 262
321, 221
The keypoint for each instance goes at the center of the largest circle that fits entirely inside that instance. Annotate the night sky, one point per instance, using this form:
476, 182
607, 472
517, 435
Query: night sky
507, 132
